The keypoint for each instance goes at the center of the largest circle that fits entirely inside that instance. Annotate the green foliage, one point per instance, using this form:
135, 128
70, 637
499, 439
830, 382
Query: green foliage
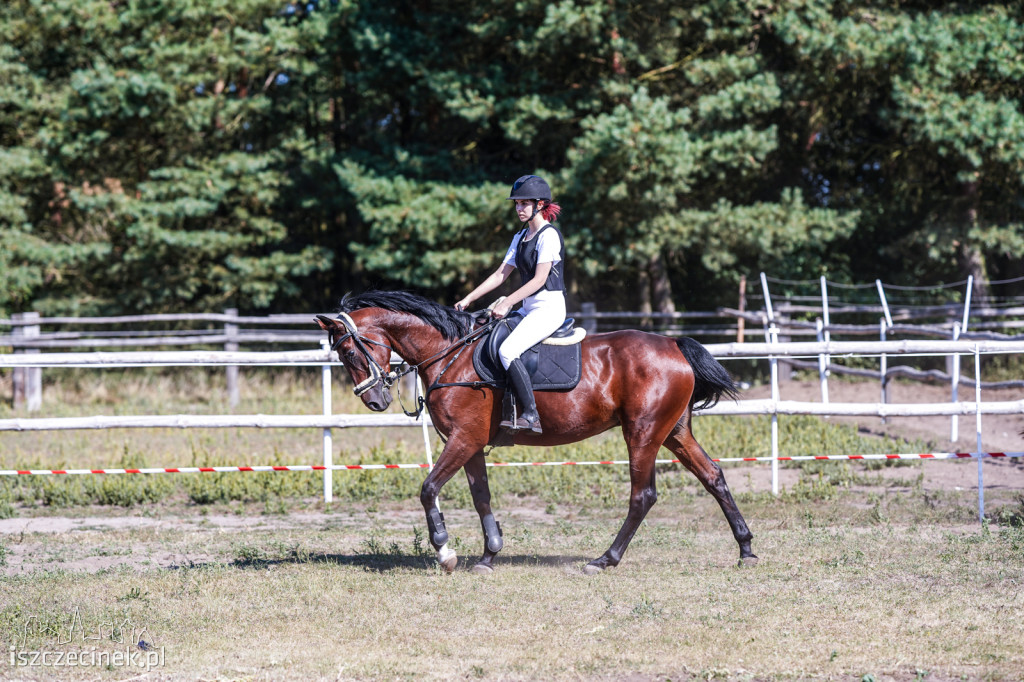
147, 143
266, 155
918, 116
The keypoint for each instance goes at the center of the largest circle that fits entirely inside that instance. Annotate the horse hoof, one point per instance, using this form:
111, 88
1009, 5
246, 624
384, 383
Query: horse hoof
447, 558
592, 569
747, 562
482, 569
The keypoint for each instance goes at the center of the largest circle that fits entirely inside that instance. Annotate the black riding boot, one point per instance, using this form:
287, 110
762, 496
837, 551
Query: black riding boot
528, 417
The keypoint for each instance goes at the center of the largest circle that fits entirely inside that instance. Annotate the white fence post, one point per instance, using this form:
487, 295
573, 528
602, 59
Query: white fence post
977, 422
883, 368
886, 326
231, 345
822, 362
958, 329
772, 336
885, 302
826, 323
967, 303
954, 374
325, 387
767, 299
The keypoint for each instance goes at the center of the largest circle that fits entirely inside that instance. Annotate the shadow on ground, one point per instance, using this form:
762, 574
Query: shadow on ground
389, 561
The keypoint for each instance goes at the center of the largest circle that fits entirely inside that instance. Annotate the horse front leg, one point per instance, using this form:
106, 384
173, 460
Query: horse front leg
476, 473
457, 452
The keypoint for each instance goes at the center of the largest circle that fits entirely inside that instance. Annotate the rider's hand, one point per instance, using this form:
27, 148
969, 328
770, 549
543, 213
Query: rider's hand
462, 305
500, 310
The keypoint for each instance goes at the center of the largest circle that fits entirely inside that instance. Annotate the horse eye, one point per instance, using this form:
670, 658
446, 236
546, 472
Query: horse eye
350, 354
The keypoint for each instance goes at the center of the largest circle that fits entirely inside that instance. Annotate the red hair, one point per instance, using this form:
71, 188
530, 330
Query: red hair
550, 211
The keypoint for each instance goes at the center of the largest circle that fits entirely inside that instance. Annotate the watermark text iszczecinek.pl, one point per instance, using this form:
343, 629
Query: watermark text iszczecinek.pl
127, 657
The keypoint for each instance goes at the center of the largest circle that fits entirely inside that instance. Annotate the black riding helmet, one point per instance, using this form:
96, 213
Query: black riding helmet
530, 187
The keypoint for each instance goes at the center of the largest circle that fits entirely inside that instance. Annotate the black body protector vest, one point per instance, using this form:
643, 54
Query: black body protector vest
526, 260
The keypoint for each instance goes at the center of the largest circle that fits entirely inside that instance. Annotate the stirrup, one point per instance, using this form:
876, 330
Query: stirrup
521, 424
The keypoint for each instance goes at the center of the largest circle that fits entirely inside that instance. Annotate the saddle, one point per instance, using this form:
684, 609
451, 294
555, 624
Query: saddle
554, 364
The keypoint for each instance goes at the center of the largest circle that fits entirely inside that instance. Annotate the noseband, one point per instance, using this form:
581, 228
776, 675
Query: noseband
377, 373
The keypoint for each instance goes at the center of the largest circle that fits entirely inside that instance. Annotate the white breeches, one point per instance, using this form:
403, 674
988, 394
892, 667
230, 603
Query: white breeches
545, 312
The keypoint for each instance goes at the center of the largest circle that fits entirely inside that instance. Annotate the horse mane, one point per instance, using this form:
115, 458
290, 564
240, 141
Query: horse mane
451, 323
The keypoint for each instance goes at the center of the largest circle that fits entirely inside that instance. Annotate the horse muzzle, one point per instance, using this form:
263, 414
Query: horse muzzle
377, 398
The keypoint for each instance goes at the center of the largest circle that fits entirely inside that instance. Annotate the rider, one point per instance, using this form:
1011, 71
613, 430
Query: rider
536, 252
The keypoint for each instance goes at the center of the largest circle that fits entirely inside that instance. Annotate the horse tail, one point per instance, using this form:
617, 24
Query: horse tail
711, 381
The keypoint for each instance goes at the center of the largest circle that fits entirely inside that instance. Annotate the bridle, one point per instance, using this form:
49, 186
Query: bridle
388, 379
377, 373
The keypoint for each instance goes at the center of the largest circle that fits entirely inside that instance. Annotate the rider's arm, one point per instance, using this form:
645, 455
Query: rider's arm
531, 287
493, 281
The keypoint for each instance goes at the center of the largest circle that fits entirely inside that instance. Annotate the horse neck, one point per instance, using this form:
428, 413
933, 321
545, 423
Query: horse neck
413, 339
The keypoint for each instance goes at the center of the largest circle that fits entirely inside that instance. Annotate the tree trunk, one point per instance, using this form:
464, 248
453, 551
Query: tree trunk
971, 260
661, 286
644, 285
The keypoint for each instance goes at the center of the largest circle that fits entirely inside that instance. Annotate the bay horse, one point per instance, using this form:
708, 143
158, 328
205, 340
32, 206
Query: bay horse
648, 384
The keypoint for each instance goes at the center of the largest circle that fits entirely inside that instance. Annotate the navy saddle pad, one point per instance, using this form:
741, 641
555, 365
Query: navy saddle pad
551, 367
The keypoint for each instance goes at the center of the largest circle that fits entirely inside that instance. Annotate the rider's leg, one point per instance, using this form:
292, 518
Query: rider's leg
520, 380
541, 319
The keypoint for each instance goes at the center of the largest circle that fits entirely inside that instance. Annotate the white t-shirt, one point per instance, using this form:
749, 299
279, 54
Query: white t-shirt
548, 248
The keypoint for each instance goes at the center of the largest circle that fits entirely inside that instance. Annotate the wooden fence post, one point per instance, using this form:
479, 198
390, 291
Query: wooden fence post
231, 345
27, 381
587, 311
18, 373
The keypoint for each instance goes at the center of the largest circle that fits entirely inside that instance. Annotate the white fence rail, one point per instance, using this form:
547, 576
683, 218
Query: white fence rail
808, 349
771, 351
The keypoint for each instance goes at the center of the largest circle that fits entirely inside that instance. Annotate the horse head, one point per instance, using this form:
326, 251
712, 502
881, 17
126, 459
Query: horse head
366, 355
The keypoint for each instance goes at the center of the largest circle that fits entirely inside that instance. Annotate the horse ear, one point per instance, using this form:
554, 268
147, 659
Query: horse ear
326, 323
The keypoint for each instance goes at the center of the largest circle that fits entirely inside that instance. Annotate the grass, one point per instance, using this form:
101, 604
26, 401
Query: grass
864, 572
845, 599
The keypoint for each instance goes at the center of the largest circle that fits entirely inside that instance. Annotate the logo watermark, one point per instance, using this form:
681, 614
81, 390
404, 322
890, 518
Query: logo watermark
110, 644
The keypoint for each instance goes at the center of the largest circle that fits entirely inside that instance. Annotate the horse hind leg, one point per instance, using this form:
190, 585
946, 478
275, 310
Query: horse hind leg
688, 451
476, 473
643, 495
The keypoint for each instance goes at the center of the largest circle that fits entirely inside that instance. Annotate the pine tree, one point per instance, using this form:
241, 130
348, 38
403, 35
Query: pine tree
913, 114
167, 154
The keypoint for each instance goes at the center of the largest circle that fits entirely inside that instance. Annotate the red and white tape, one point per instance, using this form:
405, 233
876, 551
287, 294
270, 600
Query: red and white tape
366, 467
